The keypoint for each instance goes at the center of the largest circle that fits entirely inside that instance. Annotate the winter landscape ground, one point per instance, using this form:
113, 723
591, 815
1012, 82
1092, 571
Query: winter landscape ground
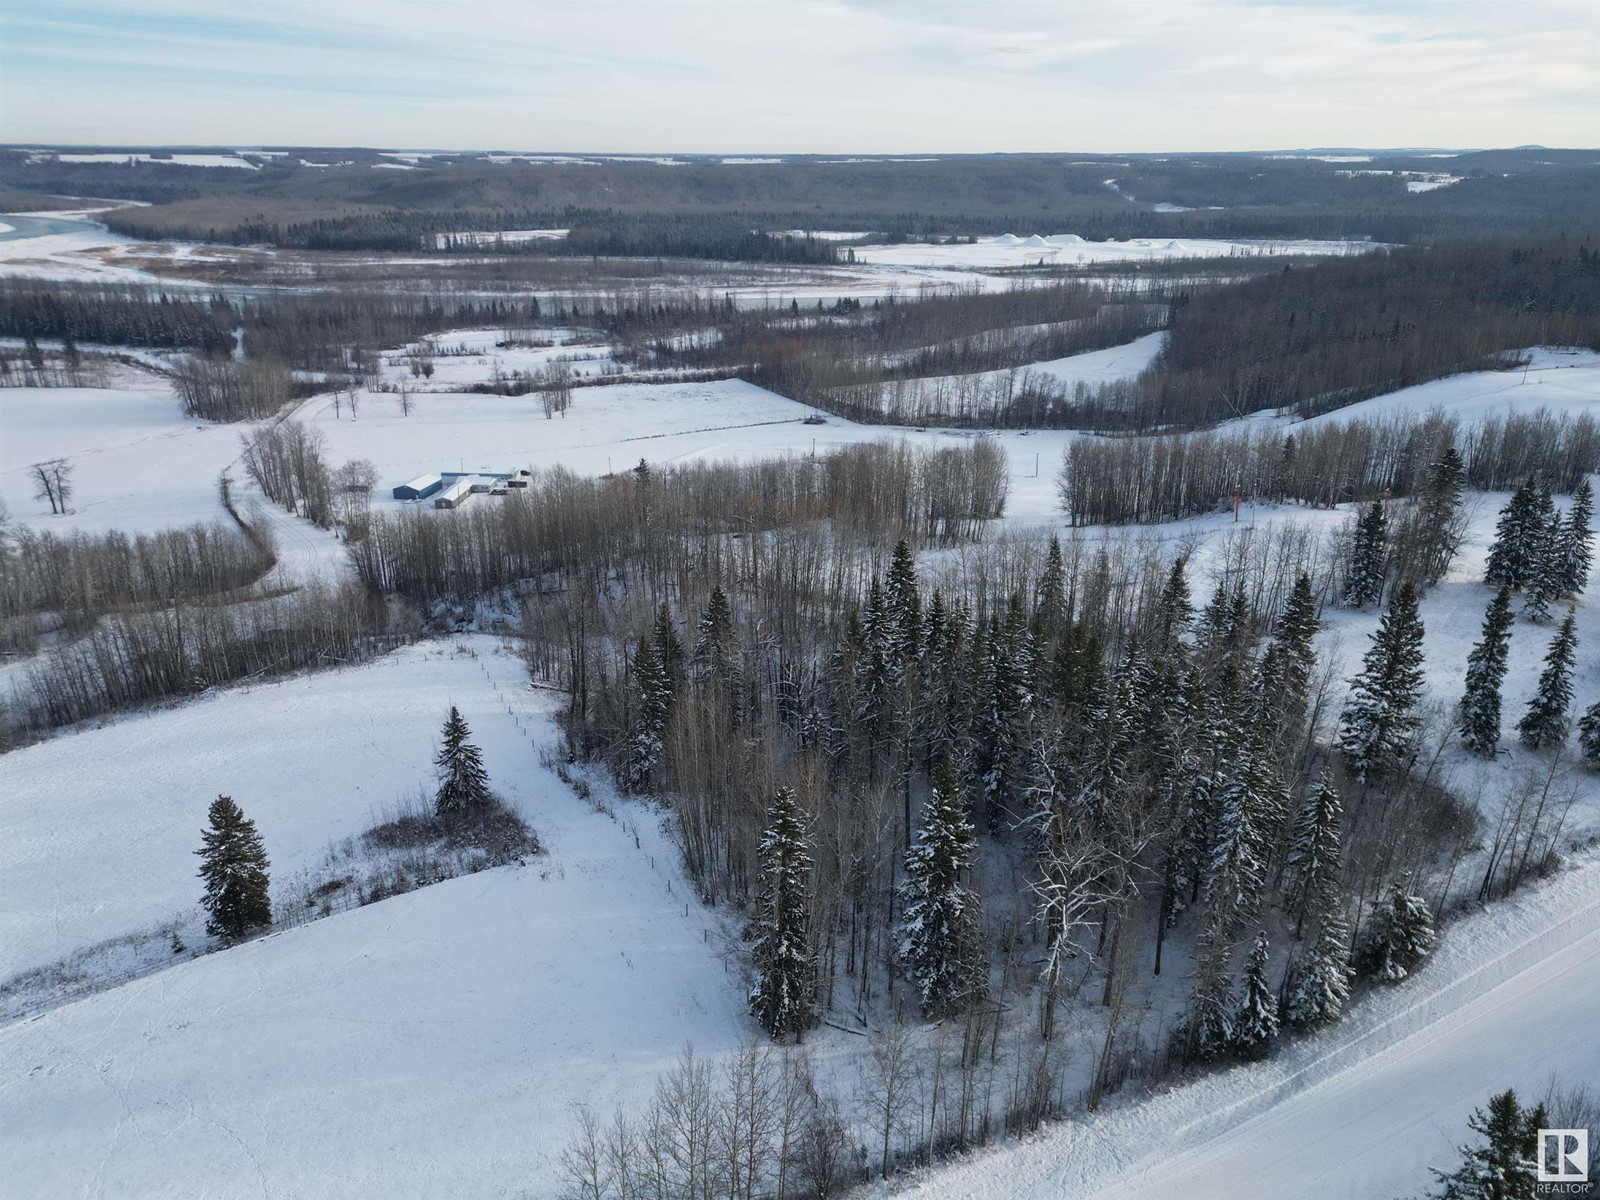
600, 674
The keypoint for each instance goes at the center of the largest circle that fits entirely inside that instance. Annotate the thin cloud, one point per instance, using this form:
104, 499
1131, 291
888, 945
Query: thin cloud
798, 76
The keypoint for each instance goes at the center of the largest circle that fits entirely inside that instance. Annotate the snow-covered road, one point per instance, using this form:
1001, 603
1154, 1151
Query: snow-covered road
1362, 1112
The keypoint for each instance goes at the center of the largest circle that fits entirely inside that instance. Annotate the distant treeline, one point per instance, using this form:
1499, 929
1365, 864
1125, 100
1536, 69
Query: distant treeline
1314, 339
345, 204
116, 315
730, 237
317, 331
1121, 480
843, 358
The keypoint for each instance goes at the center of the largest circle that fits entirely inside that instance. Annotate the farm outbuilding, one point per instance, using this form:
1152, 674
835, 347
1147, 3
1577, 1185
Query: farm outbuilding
457, 494
419, 488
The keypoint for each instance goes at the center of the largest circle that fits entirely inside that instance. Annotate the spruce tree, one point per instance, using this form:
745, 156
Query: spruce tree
713, 643
1210, 1024
940, 935
1249, 812
1378, 730
669, 646
1504, 1165
903, 602
1399, 936
1437, 517
1479, 711
995, 723
463, 783
1512, 558
1286, 689
1546, 721
233, 863
652, 701
1589, 734
784, 997
1255, 1022
1576, 536
1369, 556
878, 670
1548, 581
1174, 614
1321, 986
1314, 853
1050, 593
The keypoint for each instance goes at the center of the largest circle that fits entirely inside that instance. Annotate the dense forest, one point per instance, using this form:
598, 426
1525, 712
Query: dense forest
345, 204
1316, 339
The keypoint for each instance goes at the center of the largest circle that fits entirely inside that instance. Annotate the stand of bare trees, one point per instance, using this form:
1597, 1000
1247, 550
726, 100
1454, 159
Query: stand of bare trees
219, 388
85, 576
137, 658
285, 461
52, 481
1118, 480
661, 522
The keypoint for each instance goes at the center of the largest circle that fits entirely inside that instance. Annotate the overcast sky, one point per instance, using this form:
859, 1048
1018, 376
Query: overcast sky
801, 76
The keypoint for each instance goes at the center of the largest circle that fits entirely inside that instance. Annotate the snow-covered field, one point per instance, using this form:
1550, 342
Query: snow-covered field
180, 160
101, 826
1009, 250
427, 1045
139, 465
1565, 381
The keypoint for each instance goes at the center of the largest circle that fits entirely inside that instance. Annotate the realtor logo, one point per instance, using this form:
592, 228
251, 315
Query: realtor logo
1563, 1156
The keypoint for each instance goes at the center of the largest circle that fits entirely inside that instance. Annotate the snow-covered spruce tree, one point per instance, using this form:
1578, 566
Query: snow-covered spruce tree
652, 701
1321, 985
1284, 671
1378, 731
463, 783
1369, 556
995, 724
1251, 806
1512, 557
1545, 723
903, 604
233, 864
784, 998
1314, 853
669, 646
1296, 630
1504, 1165
1479, 711
1050, 593
878, 671
940, 936
1210, 1025
714, 636
1576, 536
1399, 936
1174, 613
1548, 583
1589, 735
1255, 1021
